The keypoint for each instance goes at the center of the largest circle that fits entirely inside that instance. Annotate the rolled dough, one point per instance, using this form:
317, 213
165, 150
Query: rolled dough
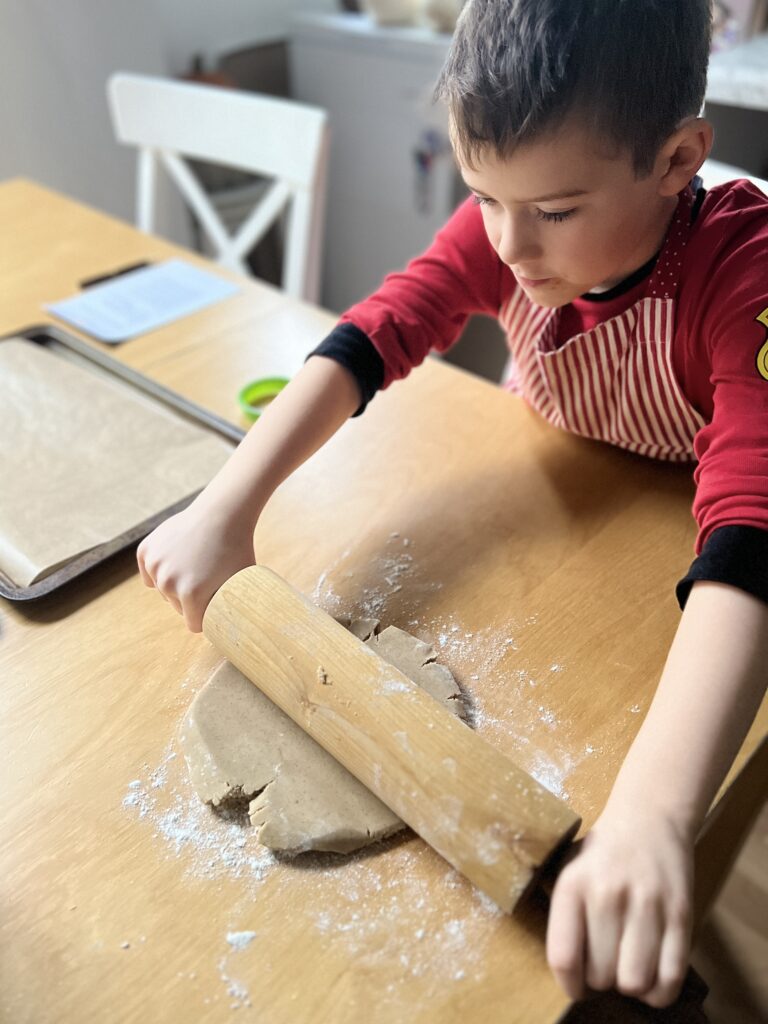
246, 756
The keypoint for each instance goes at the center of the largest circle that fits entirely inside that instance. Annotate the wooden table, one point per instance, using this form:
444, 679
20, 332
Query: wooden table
540, 565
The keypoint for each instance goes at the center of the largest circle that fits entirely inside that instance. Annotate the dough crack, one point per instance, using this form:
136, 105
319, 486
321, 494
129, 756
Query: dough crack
234, 805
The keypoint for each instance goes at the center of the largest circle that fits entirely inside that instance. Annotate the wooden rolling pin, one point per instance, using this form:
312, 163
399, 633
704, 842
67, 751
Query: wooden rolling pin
488, 818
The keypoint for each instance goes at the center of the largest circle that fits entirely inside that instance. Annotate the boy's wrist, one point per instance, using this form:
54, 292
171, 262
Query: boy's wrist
627, 807
233, 510
652, 784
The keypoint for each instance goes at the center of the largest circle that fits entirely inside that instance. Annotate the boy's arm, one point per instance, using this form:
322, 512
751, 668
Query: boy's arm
190, 555
425, 307
621, 909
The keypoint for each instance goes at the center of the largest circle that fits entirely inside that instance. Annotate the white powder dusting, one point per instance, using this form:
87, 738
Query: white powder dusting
240, 940
551, 771
209, 846
391, 572
502, 705
394, 686
235, 988
401, 916
547, 716
323, 594
394, 914
488, 846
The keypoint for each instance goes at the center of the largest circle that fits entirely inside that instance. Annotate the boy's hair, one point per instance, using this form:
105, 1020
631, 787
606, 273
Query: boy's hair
633, 69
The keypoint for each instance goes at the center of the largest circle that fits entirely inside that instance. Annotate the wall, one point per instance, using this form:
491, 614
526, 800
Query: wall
55, 58
211, 27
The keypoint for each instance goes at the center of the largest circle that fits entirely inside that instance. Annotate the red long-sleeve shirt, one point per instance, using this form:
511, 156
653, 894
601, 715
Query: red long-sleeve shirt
720, 343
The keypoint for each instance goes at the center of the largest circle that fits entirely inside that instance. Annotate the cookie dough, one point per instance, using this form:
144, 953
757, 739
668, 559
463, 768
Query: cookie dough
247, 758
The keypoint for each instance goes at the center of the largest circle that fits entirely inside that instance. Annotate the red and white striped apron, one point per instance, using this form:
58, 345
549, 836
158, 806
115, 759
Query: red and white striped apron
614, 383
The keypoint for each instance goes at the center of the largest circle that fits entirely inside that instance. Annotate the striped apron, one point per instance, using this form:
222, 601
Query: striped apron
615, 382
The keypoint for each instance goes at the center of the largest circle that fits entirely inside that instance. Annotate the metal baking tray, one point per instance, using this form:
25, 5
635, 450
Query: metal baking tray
68, 347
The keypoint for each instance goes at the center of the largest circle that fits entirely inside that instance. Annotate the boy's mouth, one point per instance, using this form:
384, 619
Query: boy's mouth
533, 282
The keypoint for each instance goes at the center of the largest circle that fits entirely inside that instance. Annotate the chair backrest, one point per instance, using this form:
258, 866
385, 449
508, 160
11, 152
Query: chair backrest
713, 172
274, 138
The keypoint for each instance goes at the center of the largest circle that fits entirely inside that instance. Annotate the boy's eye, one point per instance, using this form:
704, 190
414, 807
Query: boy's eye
555, 216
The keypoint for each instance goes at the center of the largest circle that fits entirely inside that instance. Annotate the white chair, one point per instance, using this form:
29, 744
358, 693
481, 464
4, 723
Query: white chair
274, 138
713, 172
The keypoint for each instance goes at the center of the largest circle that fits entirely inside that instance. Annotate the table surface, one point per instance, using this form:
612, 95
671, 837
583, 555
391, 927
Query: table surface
542, 568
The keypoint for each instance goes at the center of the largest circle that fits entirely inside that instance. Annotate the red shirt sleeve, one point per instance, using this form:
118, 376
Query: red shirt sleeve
732, 328
426, 306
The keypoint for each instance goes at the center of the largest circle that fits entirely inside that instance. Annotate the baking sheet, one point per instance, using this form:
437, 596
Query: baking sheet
92, 457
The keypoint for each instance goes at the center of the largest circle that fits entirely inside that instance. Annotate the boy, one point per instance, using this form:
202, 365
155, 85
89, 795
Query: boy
636, 306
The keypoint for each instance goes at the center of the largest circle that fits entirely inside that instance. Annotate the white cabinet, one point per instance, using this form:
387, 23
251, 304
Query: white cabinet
376, 84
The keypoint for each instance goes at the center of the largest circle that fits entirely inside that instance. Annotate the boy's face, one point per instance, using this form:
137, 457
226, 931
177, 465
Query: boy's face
566, 217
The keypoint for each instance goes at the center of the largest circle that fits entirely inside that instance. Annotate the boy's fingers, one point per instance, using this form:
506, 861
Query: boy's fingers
193, 616
174, 602
194, 601
673, 962
146, 579
640, 948
604, 926
566, 935
168, 594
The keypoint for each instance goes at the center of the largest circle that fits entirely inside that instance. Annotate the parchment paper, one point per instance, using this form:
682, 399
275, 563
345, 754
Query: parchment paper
84, 458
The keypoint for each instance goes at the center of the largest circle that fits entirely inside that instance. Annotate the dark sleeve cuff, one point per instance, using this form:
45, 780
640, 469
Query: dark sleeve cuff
737, 555
355, 351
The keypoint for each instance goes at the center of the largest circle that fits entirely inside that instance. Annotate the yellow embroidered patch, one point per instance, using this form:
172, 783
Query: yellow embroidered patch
762, 355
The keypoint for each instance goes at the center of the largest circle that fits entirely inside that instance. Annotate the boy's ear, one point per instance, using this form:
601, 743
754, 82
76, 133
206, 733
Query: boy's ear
683, 154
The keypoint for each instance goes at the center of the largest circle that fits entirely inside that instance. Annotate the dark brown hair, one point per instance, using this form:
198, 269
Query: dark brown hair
632, 69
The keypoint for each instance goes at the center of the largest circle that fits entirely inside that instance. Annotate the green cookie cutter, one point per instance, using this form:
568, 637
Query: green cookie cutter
256, 396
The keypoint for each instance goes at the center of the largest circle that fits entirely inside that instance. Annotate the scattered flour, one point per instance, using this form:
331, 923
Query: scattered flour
389, 911
239, 940
499, 696
551, 772
386, 911
391, 572
210, 846
394, 686
402, 917
235, 988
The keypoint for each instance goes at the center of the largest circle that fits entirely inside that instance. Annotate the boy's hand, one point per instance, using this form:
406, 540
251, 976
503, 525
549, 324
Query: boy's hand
620, 915
189, 556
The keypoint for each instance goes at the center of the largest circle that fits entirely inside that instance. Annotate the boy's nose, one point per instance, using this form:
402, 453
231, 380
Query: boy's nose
517, 244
